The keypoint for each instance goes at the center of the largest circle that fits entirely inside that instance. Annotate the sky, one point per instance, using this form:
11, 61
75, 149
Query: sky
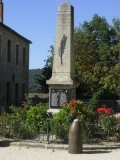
36, 21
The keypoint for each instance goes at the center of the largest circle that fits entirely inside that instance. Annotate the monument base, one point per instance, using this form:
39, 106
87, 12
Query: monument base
52, 111
59, 95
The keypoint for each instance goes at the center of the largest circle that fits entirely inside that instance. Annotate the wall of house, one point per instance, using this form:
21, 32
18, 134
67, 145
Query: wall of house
13, 77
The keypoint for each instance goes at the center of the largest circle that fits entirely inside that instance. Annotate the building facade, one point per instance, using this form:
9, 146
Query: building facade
14, 65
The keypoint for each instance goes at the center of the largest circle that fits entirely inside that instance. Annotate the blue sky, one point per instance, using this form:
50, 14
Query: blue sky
36, 20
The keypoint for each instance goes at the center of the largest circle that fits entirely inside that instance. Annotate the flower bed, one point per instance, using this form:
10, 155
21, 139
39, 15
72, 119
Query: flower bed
30, 121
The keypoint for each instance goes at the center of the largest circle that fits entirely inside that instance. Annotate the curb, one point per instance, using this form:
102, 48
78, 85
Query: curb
57, 146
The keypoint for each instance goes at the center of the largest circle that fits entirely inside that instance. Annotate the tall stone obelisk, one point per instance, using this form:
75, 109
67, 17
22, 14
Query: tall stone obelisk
62, 83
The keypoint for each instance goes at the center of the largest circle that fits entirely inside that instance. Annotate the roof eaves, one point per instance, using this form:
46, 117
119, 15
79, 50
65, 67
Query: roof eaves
10, 29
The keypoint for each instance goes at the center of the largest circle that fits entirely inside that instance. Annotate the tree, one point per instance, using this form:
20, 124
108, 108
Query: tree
49, 60
41, 79
97, 56
45, 73
33, 87
116, 26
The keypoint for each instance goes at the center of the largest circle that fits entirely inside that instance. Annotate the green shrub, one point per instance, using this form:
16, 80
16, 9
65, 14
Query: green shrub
37, 113
18, 113
37, 116
24, 121
70, 111
61, 123
93, 122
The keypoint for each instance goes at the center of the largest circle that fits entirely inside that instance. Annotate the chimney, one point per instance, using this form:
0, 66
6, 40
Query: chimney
1, 11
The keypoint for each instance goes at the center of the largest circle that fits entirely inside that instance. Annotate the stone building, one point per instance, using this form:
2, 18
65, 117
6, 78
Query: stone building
14, 65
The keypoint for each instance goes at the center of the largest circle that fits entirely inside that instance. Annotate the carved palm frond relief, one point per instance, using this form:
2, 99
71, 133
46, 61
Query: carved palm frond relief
62, 46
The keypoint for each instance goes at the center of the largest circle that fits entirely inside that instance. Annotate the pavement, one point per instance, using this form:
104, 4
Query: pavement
38, 151
25, 153
108, 145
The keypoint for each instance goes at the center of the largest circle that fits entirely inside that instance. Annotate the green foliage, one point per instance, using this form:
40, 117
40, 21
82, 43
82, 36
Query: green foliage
37, 113
116, 26
108, 123
60, 128
25, 121
73, 109
97, 56
33, 86
19, 113
94, 100
46, 72
66, 115
32, 121
92, 121
41, 79
49, 60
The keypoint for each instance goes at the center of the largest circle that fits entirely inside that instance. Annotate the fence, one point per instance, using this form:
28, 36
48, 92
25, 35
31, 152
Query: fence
115, 104
51, 131
24, 130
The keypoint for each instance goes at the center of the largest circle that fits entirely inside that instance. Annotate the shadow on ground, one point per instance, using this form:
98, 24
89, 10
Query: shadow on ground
96, 152
5, 143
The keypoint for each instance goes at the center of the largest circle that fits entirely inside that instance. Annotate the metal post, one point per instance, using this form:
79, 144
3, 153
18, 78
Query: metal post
48, 131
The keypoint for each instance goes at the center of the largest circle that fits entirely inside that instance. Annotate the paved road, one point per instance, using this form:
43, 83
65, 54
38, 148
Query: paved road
24, 153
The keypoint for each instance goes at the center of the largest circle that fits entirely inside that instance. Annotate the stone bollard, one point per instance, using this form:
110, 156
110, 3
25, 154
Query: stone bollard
75, 138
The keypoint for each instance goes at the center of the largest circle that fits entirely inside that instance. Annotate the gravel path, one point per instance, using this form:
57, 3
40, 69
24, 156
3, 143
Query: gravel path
24, 153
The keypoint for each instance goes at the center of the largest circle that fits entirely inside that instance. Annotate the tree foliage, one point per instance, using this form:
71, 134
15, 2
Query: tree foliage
41, 79
33, 87
97, 56
46, 73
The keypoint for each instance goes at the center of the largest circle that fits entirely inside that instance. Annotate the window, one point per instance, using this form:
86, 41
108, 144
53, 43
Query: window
8, 97
9, 51
24, 56
23, 92
0, 48
0, 92
17, 54
16, 94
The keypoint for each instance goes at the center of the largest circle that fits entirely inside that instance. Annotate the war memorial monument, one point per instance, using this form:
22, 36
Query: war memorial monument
62, 84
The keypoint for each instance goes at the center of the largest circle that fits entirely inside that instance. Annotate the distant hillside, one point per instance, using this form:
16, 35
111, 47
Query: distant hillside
32, 85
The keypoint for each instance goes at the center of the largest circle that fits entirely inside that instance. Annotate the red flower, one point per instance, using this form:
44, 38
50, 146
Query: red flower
105, 110
109, 110
75, 106
72, 101
101, 110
